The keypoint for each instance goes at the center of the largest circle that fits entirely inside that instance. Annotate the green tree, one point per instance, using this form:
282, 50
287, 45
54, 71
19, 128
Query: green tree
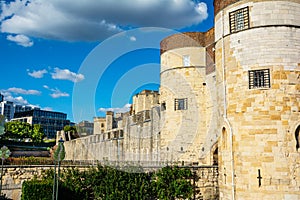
17, 130
37, 133
21, 130
72, 130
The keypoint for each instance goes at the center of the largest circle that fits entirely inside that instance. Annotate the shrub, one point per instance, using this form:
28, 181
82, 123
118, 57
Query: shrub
36, 190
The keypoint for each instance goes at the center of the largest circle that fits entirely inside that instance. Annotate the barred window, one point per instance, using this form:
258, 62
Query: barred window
239, 20
180, 104
259, 78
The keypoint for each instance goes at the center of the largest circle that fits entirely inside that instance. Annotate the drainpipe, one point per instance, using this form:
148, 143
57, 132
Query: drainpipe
225, 114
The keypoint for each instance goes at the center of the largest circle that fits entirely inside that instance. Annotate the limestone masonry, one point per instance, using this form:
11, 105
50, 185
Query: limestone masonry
228, 97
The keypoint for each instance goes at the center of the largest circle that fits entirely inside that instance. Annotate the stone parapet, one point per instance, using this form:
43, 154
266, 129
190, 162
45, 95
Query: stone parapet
188, 39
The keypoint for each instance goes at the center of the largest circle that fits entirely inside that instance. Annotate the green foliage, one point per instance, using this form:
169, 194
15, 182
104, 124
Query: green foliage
16, 129
69, 128
60, 152
72, 130
37, 190
109, 183
37, 134
21, 130
173, 182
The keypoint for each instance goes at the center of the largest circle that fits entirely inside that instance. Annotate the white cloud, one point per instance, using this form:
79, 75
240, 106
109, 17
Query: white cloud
125, 108
23, 91
8, 95
17, 100
37, 74
91, 20
132, 38
65, 74
47, 108
21, 40
56, 93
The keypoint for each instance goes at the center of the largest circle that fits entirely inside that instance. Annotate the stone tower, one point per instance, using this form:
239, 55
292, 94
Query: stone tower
258, 78
184, 96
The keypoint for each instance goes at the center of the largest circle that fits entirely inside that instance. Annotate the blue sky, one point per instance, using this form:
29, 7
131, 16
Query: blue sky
85, 57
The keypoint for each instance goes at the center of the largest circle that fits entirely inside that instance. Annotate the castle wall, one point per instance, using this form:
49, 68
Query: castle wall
136, 140
145, 100
99, 125
257, 144
183, 78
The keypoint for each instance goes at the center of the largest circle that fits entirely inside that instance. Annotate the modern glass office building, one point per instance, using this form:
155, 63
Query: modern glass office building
49, 120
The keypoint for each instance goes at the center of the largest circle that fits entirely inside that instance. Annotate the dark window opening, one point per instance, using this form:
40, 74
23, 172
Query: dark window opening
215, 157
180, 104
259, 78
239, 20
163, 106
297, 137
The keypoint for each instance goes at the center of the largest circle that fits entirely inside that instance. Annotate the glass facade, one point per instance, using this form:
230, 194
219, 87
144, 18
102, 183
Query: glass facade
49, 120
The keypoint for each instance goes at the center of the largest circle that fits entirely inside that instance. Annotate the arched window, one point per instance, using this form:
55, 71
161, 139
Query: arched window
297, 137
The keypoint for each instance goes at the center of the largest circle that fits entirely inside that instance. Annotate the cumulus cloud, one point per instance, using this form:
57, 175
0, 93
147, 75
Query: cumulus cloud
12, 94
21, 40
56, 93
38, 73
125, 108
17, 100
65, 74
89, 20
23, 91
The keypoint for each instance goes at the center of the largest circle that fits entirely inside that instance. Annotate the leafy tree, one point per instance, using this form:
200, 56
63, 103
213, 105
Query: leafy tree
17, 129
37, 133
21, 130
69, 128
72, 130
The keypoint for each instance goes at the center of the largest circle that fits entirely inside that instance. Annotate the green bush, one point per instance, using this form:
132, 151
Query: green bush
36, 190
110, 184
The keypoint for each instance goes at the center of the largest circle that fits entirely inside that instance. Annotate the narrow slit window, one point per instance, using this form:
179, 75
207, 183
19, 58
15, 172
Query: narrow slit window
163, 106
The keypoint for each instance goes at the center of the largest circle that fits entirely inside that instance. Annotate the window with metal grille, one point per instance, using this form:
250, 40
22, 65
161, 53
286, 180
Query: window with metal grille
180, 104
239, 20
259, 78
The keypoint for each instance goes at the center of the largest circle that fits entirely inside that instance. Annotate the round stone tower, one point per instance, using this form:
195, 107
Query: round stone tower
257, 54
183, 96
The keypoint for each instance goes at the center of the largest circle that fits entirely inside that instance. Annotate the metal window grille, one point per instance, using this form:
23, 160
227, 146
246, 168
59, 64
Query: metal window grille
239, 20
259, 78
180, 104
